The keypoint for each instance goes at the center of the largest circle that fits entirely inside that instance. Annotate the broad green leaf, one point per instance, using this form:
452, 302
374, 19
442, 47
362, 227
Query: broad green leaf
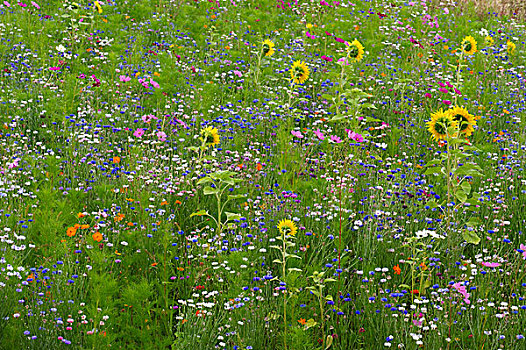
232, 216
209, 190
199, 213
470, 237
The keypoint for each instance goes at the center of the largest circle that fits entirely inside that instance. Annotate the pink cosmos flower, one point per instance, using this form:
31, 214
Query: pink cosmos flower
325, 58
447, 102
458, 91
490, 264
523, 248
154, 83
54, 68
428, 95
319, 134
161, 136
148, 118
309, 35
297, 134
462, 290
335, 139
238, 73
444, 90
340, 40
7, 4
138, 133
124, 78
35, 4
354, 136
449, 84
441, 84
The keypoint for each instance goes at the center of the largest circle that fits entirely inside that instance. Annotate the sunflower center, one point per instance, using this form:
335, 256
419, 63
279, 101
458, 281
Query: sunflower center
298, 72
441, 126
266, 48
286, 230
468, 46
353, 51
463, 121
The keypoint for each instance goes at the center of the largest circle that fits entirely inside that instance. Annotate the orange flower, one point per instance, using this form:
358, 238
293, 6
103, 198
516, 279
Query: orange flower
164, 203
84, 226
302, 321
119, 217
80, 215
397, 269
71, 231
178, 202
259, 167
116, 160
423, 266
97, 236
154, 264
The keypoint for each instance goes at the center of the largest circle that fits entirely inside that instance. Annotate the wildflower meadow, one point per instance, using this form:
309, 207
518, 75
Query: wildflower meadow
262, 174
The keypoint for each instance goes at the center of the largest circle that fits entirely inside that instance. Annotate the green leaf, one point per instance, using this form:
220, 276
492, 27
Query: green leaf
235, 196
404, 286
205, 180
199, 213
328, 341
470, 237
232, 216
277, 261
474, 221
466, 187
433, 170
461, 195
209, 190
295, 269
310, 323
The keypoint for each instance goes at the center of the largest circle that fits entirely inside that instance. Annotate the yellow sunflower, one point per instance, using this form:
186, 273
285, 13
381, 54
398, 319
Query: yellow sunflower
268, 48
489, 41
299, 72
439, 123
355, 50
469, 45
287, 227
511, 47
210, 136
463, 119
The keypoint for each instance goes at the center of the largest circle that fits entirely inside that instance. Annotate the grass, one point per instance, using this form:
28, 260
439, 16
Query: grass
124, 225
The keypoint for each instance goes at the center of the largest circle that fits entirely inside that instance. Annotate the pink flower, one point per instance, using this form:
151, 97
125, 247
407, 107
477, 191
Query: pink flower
148, 118
319, 134
446, 11
238, 73
441, 84
449, 84
462, 290
340, 40
54, 68
325, 58
354, 136
7, 4
428, 95
35, 4
297, 134
523, 248
335, 139
161, 136
124, 78
344, 61
490, 264
309, 35
181, 122
458, 91
444, 90
138, 133
154, 83
446, 102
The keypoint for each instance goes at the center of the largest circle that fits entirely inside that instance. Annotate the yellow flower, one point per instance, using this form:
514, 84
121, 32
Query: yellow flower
287, 227
210, 136
309, 26
439, 123
268, 48
511, 47
489, 41
469, 45
355, 50
97, 5
299, 72
463, 119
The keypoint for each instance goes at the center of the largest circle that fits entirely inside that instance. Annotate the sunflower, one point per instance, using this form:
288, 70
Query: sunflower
511, 47
287, 227
463, 119
210, 136
299, 72
268, 48
489, 41
355, 50
469, 45
439, 123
